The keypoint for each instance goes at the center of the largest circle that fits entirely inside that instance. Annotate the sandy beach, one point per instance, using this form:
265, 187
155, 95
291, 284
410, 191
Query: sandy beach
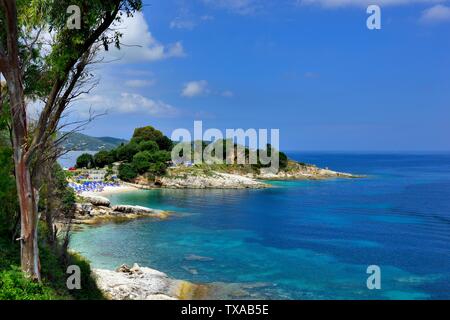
110, 190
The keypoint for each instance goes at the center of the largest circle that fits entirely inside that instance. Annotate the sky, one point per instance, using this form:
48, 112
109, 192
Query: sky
310, 68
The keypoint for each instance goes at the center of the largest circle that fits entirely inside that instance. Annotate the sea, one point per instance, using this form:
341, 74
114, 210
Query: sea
298, 239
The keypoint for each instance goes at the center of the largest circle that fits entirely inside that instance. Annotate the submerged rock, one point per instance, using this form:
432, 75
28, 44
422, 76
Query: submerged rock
193, 257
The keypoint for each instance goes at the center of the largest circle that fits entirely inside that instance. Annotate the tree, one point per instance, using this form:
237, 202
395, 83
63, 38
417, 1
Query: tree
127, 172
103, 158
151, 146
53, 76
126, 152
141, 161
146, 134
86, 160
164, 143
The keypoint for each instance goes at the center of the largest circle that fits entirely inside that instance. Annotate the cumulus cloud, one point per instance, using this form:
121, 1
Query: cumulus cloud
195, 88
436, 14
139, 45
344, 3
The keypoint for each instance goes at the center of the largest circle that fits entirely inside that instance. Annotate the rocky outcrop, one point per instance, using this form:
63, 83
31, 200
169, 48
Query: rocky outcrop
135, 210
87, 213
213, 180
97, 200
140, 283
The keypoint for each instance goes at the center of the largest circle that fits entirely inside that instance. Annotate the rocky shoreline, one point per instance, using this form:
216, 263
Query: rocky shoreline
93, 209
140, 283
198, 179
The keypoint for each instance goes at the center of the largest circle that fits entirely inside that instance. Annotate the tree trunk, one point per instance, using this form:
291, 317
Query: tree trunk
27, 194
28, 199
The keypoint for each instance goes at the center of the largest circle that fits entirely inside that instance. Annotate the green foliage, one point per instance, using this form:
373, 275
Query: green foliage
141, 161
164, 143
89, 289
103, 158
284, 160
127, 172
150, 146
146, 134
160, 157
86, 160
157, 169
126, 152
65, 195
14, 286
8, 195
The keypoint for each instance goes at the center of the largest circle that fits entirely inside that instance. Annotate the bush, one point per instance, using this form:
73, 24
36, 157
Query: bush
14, 286
157, 169
127, 172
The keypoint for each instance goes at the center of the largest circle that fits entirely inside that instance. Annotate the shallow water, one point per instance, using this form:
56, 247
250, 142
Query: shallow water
299, 240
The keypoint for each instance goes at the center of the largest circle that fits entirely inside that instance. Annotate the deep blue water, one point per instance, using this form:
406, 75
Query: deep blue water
299, 240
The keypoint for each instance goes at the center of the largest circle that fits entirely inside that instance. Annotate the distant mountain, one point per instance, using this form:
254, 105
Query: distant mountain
81, 142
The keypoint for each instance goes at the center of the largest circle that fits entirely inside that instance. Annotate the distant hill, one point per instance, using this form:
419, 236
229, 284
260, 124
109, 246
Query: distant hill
81, 142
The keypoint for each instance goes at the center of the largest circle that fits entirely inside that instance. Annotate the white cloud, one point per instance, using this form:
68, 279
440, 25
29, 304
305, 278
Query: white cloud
195, 88
139, 83
243, 7
360, 3
125, 103
134, 103
436, 14
139, 45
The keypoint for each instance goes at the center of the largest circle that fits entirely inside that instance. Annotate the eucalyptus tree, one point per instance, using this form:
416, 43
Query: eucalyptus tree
42, 57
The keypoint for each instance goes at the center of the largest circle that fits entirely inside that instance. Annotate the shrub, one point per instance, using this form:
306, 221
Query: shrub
14, 286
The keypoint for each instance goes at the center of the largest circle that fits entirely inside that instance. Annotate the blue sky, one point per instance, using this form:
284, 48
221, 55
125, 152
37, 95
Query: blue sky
310, 68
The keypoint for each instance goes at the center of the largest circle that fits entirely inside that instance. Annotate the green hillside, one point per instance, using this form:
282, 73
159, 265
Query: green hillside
81, 142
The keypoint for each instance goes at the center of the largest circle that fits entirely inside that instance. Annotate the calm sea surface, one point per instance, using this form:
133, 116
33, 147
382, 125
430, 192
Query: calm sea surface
298, 240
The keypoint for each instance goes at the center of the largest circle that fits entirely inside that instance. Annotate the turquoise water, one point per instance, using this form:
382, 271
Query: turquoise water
299, 240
